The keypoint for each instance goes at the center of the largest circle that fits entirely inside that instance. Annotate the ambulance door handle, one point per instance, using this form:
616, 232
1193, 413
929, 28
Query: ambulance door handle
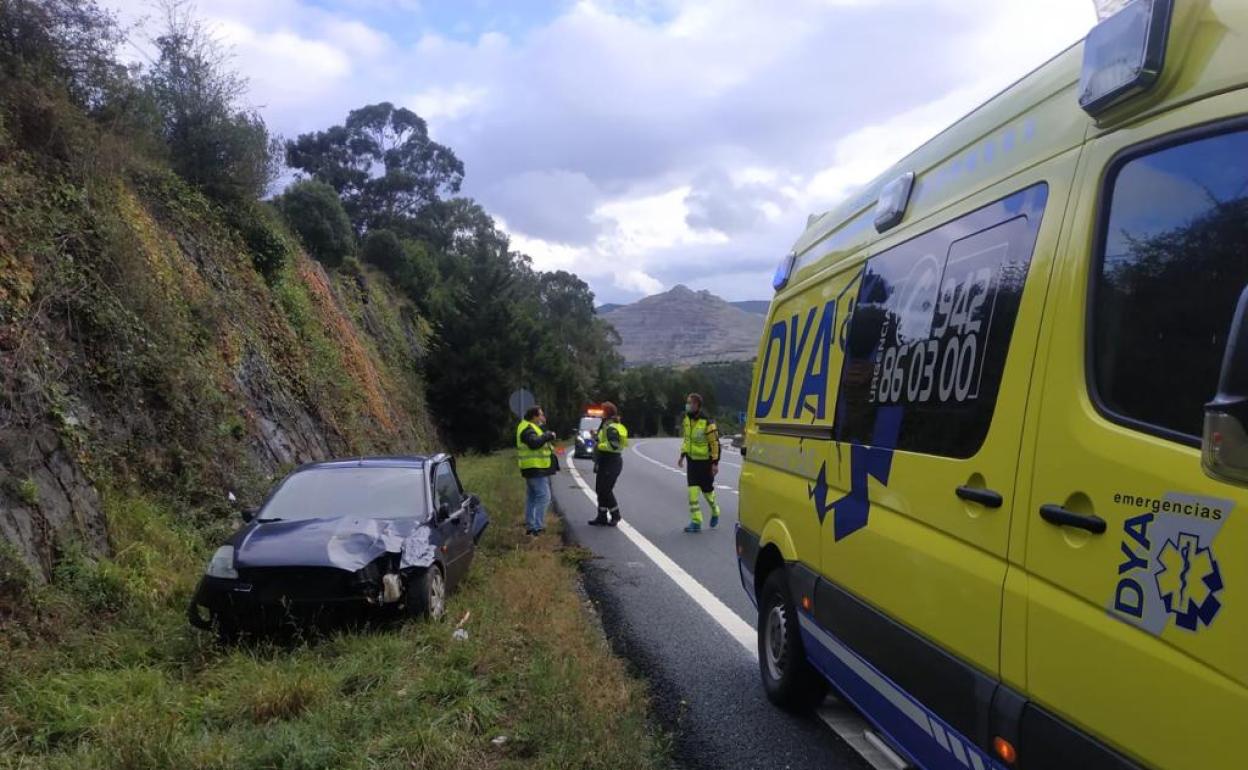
1056, 514
985, 497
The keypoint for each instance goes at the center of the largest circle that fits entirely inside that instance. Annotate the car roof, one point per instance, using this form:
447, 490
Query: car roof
387, 461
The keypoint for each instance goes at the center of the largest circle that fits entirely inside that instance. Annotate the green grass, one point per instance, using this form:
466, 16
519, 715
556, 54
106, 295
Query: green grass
101, 670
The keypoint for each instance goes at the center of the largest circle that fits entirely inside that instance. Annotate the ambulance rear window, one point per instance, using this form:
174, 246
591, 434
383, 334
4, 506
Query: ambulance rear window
1173, 261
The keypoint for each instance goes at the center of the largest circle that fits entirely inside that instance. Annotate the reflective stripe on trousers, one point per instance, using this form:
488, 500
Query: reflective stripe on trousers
695, 508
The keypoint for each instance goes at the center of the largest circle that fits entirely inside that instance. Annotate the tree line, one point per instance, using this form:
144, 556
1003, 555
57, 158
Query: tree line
651, 398
375, 189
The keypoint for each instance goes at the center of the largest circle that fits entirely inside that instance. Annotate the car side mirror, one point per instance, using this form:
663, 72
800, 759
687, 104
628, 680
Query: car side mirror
1224, 444
247, 513
474, 501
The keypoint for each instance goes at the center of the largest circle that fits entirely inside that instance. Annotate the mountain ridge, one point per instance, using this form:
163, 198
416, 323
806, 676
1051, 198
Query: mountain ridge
683, 327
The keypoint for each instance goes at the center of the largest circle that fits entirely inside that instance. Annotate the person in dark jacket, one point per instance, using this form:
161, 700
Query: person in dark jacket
535, 454
608, 462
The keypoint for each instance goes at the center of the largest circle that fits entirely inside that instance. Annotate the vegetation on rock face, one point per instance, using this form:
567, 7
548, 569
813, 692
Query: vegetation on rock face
160, 325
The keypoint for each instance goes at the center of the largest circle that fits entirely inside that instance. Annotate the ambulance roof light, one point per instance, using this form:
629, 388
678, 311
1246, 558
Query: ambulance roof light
784, 271
1124, 54
890, 209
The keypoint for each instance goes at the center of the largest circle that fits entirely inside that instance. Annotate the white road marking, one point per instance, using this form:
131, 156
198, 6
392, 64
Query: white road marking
637, 451
664, 466
840, 717
726, 619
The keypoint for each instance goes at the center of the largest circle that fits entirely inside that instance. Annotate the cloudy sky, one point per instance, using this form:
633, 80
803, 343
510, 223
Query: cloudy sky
645, 143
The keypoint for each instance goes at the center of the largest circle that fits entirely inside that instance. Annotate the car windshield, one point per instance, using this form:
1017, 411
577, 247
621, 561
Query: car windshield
590, 423
378, 493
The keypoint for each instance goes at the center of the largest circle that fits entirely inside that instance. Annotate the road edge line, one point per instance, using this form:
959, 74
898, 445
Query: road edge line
719, 612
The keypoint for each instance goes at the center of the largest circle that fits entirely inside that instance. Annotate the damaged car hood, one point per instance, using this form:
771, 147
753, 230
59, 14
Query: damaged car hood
345, 542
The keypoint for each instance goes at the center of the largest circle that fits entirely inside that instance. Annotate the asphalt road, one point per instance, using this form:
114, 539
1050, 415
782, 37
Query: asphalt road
703, 678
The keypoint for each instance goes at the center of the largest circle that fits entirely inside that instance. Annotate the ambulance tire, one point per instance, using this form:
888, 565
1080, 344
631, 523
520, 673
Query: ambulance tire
788, 678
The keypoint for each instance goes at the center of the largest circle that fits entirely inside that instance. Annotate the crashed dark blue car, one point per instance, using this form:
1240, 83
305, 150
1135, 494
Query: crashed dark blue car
338, 537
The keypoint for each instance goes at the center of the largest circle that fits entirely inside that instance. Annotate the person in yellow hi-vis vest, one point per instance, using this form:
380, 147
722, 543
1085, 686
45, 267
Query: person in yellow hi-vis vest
608, 463
699, 453
535, 455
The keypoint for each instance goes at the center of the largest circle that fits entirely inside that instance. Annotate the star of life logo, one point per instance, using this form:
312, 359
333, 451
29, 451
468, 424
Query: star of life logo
1188, 580
1168, 570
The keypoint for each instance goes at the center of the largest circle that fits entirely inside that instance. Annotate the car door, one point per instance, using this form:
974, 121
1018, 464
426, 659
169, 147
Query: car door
929, 418
1135, 632
455, 528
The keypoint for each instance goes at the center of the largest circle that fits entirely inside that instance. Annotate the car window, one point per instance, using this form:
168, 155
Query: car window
1173, 260
931, 328
591, 424
446, 487
380, 493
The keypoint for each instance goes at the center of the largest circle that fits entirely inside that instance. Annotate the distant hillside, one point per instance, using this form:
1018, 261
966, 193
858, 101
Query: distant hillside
756, 306
682, 327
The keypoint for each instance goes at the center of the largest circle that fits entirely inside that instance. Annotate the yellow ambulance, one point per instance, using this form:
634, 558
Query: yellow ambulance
995, 489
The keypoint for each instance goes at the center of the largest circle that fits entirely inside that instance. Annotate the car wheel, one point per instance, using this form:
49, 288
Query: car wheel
426, 593
788, 678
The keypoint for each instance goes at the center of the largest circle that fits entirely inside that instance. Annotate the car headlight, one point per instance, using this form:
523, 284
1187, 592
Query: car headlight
221, 565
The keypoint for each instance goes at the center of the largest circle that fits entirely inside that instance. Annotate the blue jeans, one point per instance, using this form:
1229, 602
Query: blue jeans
536, 500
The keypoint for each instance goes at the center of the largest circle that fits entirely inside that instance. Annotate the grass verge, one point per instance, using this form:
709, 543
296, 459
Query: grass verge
102, 671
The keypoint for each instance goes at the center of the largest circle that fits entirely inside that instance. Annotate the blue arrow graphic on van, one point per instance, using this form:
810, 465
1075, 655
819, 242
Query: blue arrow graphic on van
864, 462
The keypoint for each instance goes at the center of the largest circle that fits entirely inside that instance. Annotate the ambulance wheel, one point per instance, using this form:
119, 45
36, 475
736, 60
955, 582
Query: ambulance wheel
788, 678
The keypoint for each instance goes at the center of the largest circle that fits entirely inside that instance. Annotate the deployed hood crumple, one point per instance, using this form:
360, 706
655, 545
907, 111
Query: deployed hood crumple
345, 542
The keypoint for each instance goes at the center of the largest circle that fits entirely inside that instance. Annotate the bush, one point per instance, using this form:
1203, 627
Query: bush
70, 41
314, 211
214, 142
257, 223
384, 250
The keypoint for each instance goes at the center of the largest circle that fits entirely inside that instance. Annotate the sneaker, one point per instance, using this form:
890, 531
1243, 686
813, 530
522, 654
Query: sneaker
693, 527
715, 521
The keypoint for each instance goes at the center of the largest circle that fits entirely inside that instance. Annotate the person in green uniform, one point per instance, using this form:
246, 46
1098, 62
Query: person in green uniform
699, 454
608, 462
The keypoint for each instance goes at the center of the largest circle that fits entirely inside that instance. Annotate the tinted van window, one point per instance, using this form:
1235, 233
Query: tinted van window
931, 329
1173, 261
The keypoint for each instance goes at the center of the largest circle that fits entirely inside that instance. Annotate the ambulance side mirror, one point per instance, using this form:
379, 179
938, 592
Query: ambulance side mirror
1224, 445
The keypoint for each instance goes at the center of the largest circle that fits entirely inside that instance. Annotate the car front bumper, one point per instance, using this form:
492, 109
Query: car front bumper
279, 596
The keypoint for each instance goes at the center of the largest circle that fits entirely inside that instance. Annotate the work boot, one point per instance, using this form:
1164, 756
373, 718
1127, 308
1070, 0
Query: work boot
601, 521
693, 527
714, 520
615, 517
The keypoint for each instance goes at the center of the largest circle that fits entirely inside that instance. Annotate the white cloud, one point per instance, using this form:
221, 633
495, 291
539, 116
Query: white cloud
647, 223
637, 281
545, 254
452, 102
865, 153
642, 143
